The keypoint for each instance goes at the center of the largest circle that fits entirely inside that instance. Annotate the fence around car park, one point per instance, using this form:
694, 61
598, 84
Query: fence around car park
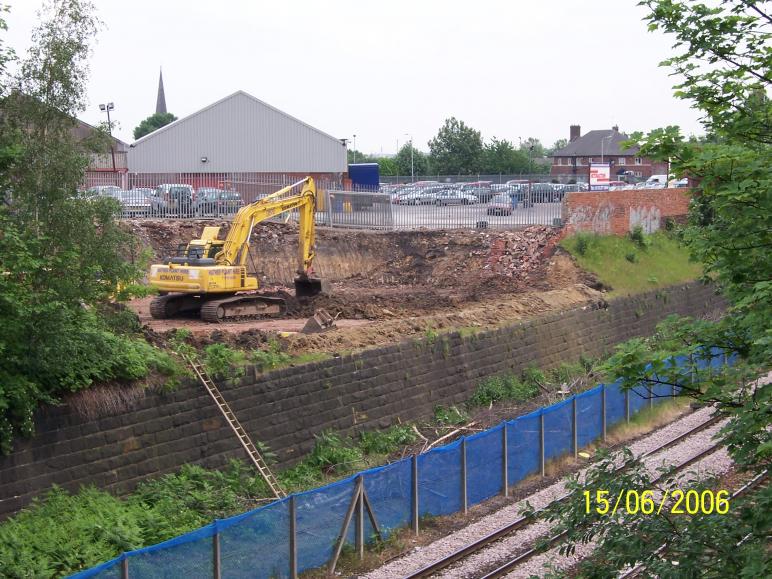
308, 530
409, 206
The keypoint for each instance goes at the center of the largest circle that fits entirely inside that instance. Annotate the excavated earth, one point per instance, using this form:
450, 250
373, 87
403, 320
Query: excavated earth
387, 286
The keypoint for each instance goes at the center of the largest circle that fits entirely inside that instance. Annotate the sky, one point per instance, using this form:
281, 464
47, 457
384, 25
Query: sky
387, 71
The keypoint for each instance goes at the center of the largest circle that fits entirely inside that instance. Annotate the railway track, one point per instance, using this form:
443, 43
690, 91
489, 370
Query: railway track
522, 522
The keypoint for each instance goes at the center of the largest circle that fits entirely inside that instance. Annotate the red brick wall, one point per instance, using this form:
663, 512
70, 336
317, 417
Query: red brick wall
619, 211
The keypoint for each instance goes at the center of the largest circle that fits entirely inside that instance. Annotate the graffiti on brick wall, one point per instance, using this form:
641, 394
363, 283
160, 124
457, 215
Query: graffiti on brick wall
592, 218
647, 217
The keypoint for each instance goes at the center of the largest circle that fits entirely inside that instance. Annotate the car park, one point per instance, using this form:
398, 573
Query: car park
134, 203
480, 189
213, 202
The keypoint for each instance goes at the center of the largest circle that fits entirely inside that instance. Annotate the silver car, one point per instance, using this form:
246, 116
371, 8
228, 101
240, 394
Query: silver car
454, 197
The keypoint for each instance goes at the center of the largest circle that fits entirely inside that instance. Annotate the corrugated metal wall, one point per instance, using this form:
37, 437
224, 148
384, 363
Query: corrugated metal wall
238, 134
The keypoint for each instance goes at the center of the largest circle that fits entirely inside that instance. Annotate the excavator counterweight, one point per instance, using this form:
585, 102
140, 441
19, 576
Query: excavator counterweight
209, 275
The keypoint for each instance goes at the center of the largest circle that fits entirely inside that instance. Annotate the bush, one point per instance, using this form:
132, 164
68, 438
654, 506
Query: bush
582, 243
270, 358
223, 362
331, 453
497, 388
386, 441
449, 416
632, 257
638, 237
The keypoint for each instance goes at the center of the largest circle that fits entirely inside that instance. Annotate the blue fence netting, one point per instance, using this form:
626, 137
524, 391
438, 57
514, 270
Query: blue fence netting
257, 543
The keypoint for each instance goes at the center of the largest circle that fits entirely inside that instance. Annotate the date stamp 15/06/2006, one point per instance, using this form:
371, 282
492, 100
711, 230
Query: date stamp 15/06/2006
633, 502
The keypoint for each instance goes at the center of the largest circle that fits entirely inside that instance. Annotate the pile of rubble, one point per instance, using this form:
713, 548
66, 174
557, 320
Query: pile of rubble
519, 253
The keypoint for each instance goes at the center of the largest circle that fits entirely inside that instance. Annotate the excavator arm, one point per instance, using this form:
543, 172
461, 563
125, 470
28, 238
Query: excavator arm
236, 246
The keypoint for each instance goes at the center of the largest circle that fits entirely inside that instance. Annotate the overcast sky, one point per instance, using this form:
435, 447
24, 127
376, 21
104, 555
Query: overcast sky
510, 69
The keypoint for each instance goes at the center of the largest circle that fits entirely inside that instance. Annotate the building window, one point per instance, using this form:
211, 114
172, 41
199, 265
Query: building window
580, 160
621, 161
638, 174
638, 161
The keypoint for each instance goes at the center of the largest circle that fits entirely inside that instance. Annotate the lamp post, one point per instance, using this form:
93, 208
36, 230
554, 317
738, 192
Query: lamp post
412, 165
107, 108
601, 146
355, 148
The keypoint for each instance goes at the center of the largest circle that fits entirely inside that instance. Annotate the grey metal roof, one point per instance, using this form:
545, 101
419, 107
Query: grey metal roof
238, 133
589, 145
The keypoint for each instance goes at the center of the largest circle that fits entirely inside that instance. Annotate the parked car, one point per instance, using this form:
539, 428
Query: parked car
679, 183
501, 204
421, 195
480, 189
454, 197
213, 202
134, 203
172, 199
544, 193
103, 191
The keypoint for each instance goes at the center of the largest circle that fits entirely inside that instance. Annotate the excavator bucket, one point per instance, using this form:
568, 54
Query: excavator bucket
321, 321
306, 287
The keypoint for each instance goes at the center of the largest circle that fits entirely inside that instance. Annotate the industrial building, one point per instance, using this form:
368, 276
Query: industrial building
238, 138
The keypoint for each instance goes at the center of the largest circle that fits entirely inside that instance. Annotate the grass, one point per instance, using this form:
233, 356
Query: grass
634, 263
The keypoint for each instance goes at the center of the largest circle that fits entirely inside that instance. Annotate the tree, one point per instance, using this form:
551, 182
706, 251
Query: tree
417, 164
457, 149
723, 59
500, 156
153, 123
559, 144
387, 166
62, 256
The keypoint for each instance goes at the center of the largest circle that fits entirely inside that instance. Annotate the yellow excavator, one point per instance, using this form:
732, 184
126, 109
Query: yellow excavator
209, 275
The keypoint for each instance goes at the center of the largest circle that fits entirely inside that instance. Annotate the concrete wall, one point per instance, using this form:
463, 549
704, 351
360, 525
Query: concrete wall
619, 211
286, 408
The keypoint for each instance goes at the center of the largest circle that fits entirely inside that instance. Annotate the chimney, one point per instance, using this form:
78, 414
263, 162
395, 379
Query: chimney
576, 132
615, 128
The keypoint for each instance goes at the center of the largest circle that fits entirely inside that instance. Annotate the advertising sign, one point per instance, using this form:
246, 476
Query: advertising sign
600, 175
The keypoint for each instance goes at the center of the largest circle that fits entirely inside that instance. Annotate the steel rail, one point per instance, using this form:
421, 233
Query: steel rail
524, 521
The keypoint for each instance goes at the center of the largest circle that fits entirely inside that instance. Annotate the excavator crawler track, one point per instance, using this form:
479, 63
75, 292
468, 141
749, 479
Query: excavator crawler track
237, 308
168, 306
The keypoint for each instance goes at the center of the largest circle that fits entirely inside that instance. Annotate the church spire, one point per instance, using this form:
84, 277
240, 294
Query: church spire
160, 103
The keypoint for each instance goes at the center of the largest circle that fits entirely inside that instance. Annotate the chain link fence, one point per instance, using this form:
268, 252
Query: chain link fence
309, 530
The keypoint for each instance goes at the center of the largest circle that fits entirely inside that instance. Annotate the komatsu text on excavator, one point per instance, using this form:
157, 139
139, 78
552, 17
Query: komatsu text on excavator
209, 275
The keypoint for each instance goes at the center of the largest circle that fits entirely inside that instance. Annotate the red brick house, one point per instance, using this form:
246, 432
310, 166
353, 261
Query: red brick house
603, 147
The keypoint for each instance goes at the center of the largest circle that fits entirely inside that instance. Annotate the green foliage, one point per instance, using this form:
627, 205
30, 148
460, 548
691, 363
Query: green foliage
411, 159
60, 533
497, 388
450, 416
582, 242
606, 256
270, 358
223, 362
153, 123
62, 256
639, 238
430, 335
501, 156
332, 453
722, 57
386, 441
457, 149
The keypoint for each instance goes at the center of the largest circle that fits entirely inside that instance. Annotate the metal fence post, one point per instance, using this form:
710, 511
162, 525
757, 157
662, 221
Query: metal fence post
574, 429
541, 444
603, 410
328, 206
125, 567
627, 406
293, 538
651, 397
216, 561
415, 493
505, 460
464, 497
360, 524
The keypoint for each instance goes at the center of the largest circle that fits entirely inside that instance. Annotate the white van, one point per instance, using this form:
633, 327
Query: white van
656, 182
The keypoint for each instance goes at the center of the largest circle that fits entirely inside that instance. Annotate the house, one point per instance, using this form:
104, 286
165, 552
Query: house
603, 146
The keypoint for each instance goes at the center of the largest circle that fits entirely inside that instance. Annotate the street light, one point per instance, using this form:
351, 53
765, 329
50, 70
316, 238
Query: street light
355, 148
107, 108
412, 166
601, 146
